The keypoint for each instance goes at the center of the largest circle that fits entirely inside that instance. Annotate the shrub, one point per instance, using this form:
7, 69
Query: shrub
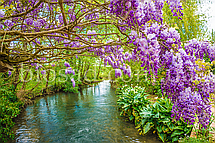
131, 101
9, 108
148, 116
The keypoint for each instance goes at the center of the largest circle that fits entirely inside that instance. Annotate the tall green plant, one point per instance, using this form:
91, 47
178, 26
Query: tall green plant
192, 24
148, 116
9, 108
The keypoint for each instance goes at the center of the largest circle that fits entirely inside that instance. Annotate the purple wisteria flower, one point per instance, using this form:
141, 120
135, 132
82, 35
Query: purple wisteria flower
29, 21
118, 73
69, 71
43, 72
44, 59
73, 72
9, 73
73, 82
2, 13
67, 64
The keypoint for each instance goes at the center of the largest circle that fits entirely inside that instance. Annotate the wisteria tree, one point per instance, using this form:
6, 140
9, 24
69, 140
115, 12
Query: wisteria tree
41, 31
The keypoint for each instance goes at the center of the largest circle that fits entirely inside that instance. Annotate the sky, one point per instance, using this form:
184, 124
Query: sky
208, 7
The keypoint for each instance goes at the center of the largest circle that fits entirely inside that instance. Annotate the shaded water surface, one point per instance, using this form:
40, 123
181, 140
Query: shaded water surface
88, 117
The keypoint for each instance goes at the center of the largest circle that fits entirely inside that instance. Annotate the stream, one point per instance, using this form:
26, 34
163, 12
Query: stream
90, 116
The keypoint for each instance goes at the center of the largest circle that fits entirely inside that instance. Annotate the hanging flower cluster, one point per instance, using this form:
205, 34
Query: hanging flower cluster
159, 46
189, 104
189, 80
9, 73
43, 72
69, 71
200, 49
141, 11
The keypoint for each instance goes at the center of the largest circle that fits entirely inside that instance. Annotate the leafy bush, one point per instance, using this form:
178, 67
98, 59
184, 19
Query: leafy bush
157, 117
148, 116
9, 108
143, 79
68, 86
131, 101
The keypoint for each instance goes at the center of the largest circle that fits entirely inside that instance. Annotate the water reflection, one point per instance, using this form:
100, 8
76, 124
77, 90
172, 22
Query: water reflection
90, 116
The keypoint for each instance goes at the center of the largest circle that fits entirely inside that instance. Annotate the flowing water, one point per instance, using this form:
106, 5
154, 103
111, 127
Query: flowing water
90, 116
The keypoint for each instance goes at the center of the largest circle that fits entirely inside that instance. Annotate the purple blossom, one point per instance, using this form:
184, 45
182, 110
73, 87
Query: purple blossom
9, 73
43, 72
2, 13
118, 73
8, 23
73, 82
36, 68
67, 64
69, 71
29, 21
1, 26
66, 71
151, 36
44, 59
73, 72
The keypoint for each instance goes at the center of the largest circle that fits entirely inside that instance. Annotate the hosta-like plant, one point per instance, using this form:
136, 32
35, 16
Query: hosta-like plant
131, 101
148, 116
157, 118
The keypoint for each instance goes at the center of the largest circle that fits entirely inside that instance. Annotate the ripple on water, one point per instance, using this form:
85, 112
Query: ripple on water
88, 117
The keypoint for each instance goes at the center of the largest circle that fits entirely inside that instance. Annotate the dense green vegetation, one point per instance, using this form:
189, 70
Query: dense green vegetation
15, 94
154, 115
9, 108
148, 116
192, 25
136, 93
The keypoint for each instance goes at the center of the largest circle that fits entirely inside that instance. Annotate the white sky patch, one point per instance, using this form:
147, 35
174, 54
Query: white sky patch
208, 7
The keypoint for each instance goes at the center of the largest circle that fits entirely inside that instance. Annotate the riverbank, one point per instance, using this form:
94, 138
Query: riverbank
56, 89
154, 114
91, 115
28, 97
13, 103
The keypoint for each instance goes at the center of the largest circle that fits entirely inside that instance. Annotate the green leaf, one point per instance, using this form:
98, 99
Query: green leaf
146, 113
146, 128
157, 115
126, 109
159, 129
178, 128
189, 131
136, 98
165, 129
162, 116
143, 121
166, 120
175, 139
126, 105
121, 114
171, 126
135, 108
162, 136
176, 133
155, 105
131, 117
